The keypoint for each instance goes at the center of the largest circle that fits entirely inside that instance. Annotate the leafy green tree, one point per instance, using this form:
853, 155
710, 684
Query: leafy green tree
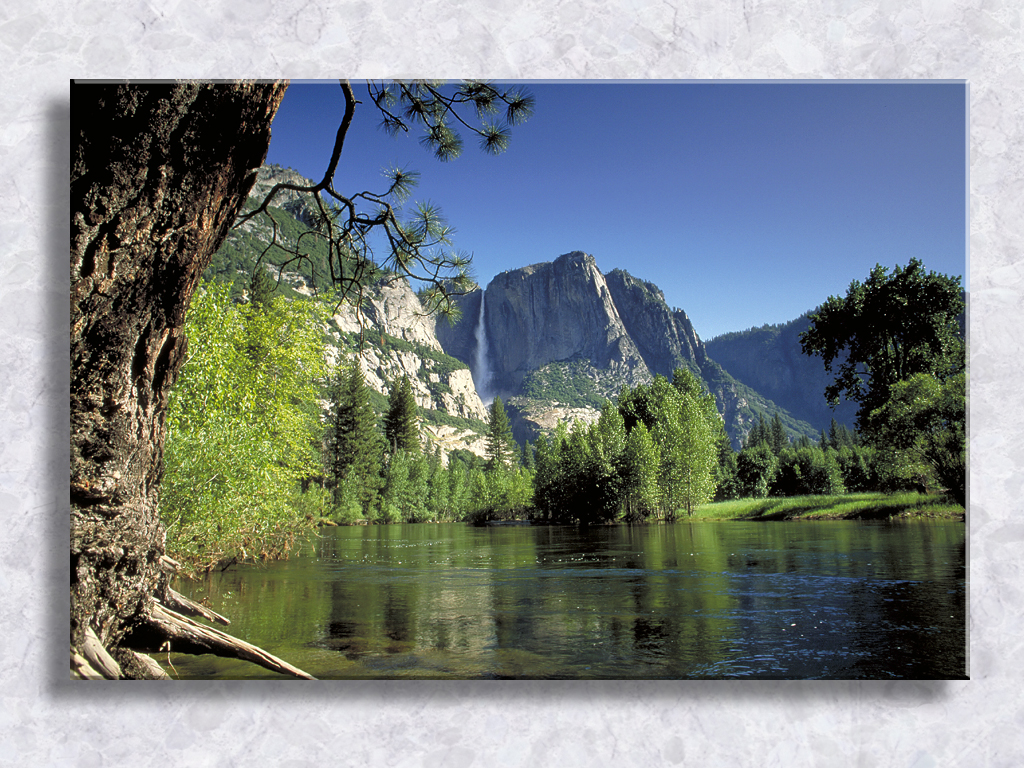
727, 477
923, 425
578, 465
354, 444
548, 484
501, 446
689, 452
685, 425
401, 423
395, 487
243, 429
807, 470
856, 465
458, 488
756, 467
639, 470
438, 501
886, 330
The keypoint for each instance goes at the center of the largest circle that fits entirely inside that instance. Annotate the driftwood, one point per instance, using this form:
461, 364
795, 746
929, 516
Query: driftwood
168, 630
99, 660
187, 636
182, 604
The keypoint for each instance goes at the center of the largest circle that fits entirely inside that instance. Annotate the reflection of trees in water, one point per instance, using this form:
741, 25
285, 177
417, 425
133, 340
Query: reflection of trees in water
684, 600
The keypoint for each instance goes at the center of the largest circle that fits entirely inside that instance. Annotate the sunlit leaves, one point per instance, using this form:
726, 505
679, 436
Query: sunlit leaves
925, 421
242, 428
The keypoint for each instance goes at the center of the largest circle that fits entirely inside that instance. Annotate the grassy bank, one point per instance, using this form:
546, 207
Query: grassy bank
854, 506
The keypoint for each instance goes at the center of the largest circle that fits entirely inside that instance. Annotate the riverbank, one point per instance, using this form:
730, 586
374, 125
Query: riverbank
854, 506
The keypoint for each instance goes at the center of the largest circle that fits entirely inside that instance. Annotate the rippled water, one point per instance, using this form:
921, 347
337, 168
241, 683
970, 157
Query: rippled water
795, 600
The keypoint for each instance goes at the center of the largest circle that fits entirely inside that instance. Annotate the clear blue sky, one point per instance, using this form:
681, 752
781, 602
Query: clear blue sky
746, 203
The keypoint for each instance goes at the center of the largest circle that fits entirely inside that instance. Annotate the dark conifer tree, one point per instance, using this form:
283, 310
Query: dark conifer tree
353, 441
777, 437
401, 424
757, 434
501, 446
262, 287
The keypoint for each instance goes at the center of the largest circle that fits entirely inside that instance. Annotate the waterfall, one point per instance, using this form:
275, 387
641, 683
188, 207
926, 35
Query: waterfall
481, 372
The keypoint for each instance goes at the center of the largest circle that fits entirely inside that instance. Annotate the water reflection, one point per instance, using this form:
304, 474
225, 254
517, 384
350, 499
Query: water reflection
766, 600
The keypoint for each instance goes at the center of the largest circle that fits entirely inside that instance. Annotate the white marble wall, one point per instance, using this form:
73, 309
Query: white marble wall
45, 720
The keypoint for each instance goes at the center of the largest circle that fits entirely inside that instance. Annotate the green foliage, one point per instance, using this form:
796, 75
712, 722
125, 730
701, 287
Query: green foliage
354, 445
243, 428
404, 491
639, 471
856, 463
885, 331
262, 288
921, 429
808, 470
566, 382
652, 455
756, 467
401, 424
501, 447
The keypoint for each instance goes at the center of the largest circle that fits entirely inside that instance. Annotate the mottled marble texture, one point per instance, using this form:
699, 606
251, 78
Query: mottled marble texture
46, 720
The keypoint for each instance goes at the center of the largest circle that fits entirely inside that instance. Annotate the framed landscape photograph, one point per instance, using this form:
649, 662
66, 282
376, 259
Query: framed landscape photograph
519, 380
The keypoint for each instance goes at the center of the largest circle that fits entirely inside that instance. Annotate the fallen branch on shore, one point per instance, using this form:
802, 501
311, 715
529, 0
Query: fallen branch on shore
165, 629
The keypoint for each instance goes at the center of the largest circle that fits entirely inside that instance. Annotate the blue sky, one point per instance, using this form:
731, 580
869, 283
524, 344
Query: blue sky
746, 203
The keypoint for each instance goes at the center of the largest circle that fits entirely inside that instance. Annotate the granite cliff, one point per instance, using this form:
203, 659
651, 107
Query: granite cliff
553, 339
561, 336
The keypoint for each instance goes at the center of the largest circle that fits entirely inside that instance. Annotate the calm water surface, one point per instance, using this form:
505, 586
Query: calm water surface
794, 600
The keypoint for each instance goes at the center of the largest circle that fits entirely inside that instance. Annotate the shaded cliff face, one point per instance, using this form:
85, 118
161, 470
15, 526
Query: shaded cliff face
562, 337
665, 338
459, 340
560, 310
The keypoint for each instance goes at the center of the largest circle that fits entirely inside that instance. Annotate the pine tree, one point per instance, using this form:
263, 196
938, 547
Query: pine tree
501, 446
262, 287
401, 424
777, 437
353, 442
757, 434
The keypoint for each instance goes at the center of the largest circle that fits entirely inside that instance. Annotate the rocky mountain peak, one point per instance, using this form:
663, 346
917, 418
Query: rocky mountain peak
299, 204
553, 311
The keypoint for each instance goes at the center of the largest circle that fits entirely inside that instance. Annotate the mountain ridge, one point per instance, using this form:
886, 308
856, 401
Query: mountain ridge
561, 336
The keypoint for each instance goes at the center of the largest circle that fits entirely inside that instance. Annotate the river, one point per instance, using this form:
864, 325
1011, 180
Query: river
758, 600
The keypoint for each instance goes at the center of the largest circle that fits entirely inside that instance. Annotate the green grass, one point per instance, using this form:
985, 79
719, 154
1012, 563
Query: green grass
853, 506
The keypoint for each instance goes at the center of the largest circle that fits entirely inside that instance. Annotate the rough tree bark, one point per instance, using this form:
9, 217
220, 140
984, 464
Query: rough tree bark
158, 175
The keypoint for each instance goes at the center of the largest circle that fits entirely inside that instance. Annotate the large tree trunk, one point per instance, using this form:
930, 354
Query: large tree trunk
158, 174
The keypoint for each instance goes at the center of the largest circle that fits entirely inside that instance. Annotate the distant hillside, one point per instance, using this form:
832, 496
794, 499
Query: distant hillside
769, 360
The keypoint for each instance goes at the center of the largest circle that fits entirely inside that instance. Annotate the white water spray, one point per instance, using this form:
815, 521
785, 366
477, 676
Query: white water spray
482, 372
